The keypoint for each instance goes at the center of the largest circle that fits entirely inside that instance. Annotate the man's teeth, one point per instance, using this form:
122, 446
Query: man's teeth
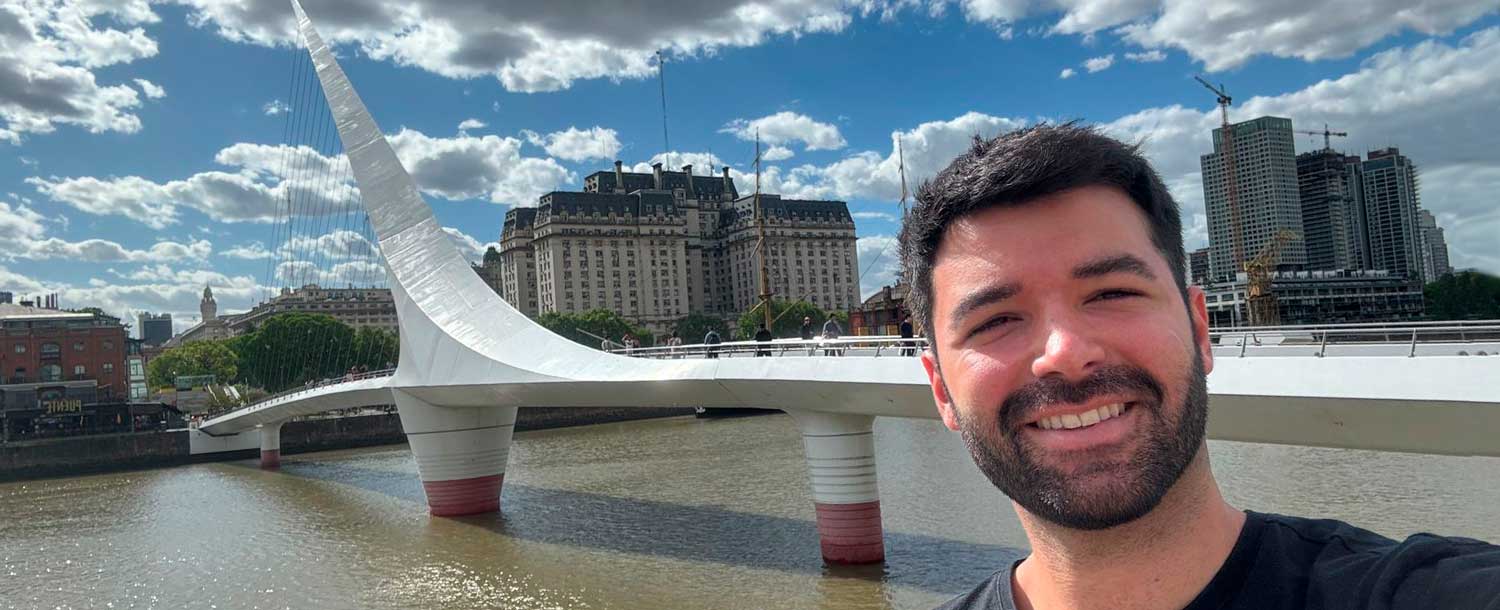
1081, 420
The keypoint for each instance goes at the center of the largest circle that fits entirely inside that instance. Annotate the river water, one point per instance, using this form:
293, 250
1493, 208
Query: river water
674, 513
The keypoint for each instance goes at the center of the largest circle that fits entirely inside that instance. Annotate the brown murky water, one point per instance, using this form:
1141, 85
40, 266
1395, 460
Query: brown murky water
678, 513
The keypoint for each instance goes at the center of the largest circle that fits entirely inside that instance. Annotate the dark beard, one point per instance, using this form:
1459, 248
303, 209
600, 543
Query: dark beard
1012, 466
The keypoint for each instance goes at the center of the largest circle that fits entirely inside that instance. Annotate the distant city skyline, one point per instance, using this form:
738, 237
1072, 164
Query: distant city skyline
146, 169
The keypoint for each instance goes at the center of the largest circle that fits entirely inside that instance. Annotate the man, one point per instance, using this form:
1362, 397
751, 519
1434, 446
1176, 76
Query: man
1069, 353
762, 335
711, 339
908, 348
831, 330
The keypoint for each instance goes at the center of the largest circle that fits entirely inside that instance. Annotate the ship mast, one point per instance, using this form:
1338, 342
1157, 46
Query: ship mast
760, 244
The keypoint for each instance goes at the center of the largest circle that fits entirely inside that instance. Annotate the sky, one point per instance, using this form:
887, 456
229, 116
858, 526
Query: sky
141, 140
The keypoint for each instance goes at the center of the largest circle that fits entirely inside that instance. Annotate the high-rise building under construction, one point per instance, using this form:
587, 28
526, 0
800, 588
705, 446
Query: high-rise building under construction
1266, 196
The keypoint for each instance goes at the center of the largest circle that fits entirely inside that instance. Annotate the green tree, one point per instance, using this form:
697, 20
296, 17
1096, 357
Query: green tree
196, 358
695, 326
1468, 295
290, 349
374, 348
786, 319
601, 322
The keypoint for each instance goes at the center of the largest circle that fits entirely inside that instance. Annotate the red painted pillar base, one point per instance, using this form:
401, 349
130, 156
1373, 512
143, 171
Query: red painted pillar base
270, 459
464, 496
851, 533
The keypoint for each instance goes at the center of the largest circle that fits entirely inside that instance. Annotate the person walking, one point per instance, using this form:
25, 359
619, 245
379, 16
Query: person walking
831, 330
908, 346
711, 340
807, 333
763, 336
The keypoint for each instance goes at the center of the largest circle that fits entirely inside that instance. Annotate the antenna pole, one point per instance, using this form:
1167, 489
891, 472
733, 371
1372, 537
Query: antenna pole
661, 77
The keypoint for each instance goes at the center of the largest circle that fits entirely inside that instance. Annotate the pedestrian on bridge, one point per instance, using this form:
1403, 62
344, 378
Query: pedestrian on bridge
711, 340
763, 335
1047, 265
831, 330
908, 346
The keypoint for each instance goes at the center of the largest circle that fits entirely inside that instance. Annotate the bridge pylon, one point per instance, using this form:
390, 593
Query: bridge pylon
270, 446
461, 453
840, 450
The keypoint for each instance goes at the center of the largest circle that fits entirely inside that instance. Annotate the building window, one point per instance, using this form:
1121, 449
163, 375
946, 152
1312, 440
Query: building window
48, 348
77, 346
51, 372
79, 370
109, 367
20, 348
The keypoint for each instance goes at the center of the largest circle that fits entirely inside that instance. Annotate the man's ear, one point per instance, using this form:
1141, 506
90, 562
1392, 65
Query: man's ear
939, 390
1198, 310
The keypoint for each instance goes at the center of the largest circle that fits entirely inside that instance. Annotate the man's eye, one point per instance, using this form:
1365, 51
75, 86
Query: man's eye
1110, 295
991, 324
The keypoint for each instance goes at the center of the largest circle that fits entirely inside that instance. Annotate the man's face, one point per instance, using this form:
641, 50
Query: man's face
1065, 357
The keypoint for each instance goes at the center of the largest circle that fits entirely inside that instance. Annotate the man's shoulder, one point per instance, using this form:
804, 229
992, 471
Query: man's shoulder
1348, 566
992, 594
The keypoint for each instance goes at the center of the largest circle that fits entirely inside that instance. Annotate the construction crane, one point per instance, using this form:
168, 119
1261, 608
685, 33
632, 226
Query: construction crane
1226, 147
1326, 133
1263, 305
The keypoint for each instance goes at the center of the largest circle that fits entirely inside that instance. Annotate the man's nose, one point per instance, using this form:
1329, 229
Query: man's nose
1069, 349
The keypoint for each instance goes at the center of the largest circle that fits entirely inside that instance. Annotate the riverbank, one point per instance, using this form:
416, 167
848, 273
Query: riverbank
78, 455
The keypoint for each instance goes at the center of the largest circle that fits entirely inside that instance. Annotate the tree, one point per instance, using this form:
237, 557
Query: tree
786, 319
601, 322
1467, 295
290, 349
375, 348
196, 358
695, 326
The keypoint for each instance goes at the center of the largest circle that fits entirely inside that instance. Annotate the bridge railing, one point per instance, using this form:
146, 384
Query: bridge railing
309, 387
873, 346
1321, 336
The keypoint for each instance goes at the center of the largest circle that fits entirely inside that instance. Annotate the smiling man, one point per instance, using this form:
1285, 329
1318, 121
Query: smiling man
1071, 356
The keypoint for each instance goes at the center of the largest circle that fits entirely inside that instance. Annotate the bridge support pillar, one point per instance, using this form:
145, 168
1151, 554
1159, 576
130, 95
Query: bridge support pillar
461, 453
270, 446
840, 453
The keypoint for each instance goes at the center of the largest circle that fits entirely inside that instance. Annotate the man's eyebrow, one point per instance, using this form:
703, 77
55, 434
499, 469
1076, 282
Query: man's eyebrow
1121, 263
980, 298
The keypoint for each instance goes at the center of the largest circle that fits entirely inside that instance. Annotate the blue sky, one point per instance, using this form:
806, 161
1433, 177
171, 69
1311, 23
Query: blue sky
133, 130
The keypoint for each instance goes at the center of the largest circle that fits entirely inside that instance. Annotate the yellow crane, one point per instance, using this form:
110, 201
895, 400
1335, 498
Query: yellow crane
1263, 305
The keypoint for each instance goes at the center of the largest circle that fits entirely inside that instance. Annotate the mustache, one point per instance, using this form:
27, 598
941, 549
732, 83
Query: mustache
1116, 379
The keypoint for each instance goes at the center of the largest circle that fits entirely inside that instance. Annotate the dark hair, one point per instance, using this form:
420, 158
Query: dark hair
1021, 166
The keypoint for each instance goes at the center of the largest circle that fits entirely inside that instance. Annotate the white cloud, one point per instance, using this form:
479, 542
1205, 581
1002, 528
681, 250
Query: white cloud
874, 216
777, 153
1224, 35
469, 167
879, 263
575, 144
164, 290
336, 245
467, 245
250, 251
531, 46
355, 273
264, 178
152, 90
468, 124
786, 126
1146, 57
704, 164
275, 107
49, 52
1099, 64
100, 251
1066, 73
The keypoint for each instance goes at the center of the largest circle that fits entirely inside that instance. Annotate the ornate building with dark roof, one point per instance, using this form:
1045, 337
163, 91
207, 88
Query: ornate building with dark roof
656, 247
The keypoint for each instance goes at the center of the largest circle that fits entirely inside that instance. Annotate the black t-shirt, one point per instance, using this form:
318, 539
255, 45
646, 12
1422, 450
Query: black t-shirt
1282, 562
